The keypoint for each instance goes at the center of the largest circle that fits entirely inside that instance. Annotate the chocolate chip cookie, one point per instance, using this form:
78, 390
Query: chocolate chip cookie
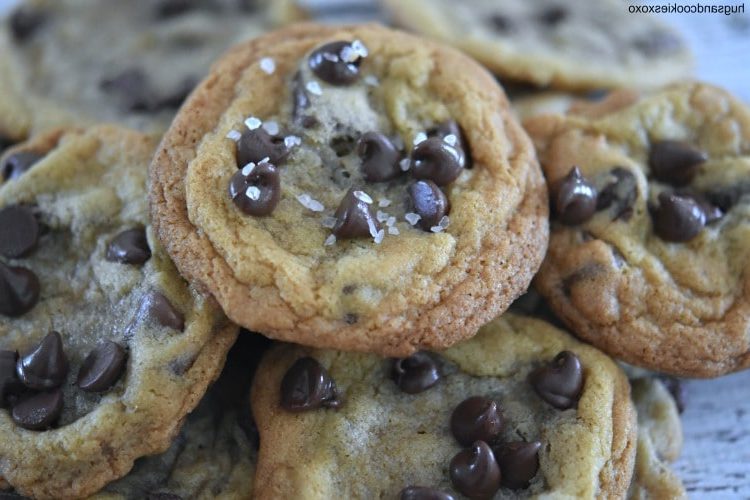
371, 193
574, 45
129, 61
648, 259
103, 348
520, 410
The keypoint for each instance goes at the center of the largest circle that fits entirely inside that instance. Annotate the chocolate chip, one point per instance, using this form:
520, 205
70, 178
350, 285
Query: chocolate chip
338, 63
519, 463
46, 366
552, 15
677, 218
156, 307
129, 247
574, 198
175, 97
170, 8
429, 201
620, 194
476, 419
19, 231
39, 411
102, 368
712, 212
474, 471
354, 217
25, 22
257, 145
17, 164
451, 127
379, 157
423, 493
308, 386
726, 197
559, 383
256, 190
132, 87
19, 290
677, 390
675, 162
415, 374
437, 160
657, 43
501, 23
10, 386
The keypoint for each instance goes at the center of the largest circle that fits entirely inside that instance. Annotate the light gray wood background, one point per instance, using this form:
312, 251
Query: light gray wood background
715, 463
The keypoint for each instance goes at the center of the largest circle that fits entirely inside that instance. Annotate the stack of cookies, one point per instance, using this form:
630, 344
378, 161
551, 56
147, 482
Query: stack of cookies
344, 265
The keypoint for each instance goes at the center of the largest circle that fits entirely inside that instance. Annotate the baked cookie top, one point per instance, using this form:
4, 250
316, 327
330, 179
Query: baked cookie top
354, 188
103, 347
520, 410
574, 45
129, 61
648, 256
214, 454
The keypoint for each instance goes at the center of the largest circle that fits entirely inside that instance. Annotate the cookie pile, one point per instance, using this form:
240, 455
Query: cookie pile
370, 201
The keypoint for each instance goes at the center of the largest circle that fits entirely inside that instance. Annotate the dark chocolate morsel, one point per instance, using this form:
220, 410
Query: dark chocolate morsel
160, 495
132, 87
552, 15
9, 384
415, 374
171, 8
156, 307
476, 419
308, 386
500, 23
19, 290
725, 197
256, 190
423, 493
257, 145
103, 367
560, 382
620, 194
429, 201
354, 217
129, 247
675, 162
451, 127
17, 164
39, 411
574, 198
437, 160
337, 63
677, 218
658, 42
474, 471
25, 22
519, 463
46, 366
19, 231
379, 157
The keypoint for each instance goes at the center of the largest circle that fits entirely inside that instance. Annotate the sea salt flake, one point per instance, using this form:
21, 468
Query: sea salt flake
292, 140
362, 196
234, 135
378, 238
328, 222
405, 164
271, 127
248, 169
373, 228
381, 216
437, 229
331, 240
391, 221
384, 202
444, 221
393, 230
420, 137
268, 65
253, 193
310, 203
314, 88
450, 139
412, 218
252, 123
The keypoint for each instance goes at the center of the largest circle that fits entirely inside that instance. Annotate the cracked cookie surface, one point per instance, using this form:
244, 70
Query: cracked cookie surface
104, 347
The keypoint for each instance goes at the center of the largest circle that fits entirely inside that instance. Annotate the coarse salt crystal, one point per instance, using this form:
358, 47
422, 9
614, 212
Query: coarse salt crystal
372, 227
405, 164
292, 140
412, 218
328, 222
310, 203
314, 88
362, 196
268, 65
450, 139
444, 221
437, 229
378, 238
391, 221
252, 123
393, 230
271, 127
330, 240
381, 216
234, 135
420, 137
384, 202
253, 193
248, 169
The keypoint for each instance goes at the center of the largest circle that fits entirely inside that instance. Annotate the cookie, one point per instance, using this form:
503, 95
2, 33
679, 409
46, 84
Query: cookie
573, 45
371, 193
659, 442
589, 105
522, 409
215, 453
130, 62
651, 215
103, 347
